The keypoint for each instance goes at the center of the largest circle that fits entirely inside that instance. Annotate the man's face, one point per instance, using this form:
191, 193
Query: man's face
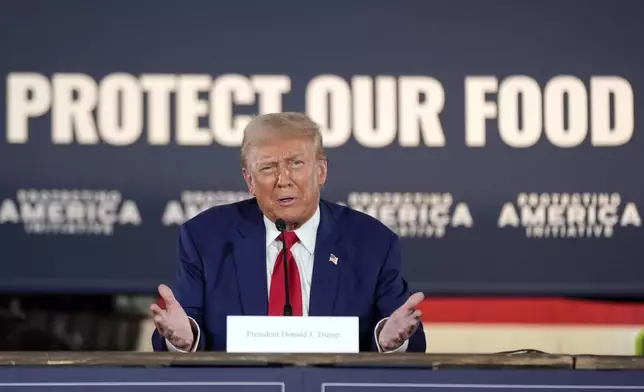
285, 177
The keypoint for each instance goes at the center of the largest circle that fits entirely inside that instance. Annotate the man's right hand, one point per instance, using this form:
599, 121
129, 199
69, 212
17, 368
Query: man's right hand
172, 322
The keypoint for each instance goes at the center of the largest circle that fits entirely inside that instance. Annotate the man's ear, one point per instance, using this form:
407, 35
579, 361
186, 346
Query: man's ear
248, 178
322, 172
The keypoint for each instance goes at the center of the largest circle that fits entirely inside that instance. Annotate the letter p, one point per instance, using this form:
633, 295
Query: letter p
28, 95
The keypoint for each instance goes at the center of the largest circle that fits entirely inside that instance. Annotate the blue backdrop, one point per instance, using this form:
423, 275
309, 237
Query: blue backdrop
499, 138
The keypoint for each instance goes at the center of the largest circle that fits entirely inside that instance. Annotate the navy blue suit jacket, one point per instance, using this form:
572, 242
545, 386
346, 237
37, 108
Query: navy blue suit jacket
222, 271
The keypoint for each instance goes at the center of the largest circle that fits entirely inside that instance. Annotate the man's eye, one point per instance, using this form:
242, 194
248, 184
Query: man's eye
298, 163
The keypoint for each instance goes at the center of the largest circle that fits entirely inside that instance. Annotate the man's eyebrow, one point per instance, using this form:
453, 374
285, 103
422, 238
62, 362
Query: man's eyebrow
263, 158
267, 160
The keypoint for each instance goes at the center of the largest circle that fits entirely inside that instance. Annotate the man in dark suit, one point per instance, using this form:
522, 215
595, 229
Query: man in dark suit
341, 262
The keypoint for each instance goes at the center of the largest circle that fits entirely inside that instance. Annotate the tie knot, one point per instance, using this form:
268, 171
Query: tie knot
290, 238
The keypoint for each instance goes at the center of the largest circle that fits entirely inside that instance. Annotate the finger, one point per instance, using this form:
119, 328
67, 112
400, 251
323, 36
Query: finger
414, 300
415, 315
166, 294
159, 325
413, 319
411, 330
159, 320
156, 310
411, 327
409, 307
409, 320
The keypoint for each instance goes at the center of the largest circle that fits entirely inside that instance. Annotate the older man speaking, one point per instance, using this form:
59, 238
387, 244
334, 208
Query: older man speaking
340, 262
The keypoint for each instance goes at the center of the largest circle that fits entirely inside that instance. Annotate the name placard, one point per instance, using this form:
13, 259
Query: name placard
275, 334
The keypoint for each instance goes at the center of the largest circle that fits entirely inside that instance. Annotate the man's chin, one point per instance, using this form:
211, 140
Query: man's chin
290, 214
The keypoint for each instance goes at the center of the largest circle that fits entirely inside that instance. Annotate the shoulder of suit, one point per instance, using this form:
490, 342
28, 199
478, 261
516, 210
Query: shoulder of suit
223, 215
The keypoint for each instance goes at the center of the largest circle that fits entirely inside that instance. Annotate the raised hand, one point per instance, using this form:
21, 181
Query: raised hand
402, 323
172, 322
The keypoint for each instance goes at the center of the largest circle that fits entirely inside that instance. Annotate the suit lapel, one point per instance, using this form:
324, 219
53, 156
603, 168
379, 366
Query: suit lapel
326, 275
250, 262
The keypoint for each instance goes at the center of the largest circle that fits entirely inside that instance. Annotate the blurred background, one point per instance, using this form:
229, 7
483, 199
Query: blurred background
499, 139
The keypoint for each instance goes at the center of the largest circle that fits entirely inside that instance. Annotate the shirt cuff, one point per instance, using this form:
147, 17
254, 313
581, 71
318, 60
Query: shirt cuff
195, 345
401, 349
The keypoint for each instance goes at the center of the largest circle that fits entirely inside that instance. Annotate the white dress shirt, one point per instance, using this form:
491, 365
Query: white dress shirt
303, 252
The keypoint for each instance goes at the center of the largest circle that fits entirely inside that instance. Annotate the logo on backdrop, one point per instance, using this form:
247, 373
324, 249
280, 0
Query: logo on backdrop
413, 214
69, 211
569, 215
191, 203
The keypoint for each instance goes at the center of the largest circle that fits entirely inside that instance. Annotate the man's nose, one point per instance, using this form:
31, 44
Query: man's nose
283, 176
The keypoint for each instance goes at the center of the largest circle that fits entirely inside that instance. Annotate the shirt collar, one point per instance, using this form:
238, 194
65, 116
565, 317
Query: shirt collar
306, 233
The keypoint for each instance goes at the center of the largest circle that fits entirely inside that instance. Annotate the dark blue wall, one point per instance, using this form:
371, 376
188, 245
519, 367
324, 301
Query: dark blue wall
506, 150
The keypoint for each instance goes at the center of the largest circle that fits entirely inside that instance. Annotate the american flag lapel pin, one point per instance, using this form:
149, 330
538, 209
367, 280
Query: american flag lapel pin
334, 259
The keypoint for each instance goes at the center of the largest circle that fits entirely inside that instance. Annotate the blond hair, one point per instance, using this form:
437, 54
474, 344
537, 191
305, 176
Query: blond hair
282, 124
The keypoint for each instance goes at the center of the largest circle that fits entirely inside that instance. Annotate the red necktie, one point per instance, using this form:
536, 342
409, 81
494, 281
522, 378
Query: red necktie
277, 296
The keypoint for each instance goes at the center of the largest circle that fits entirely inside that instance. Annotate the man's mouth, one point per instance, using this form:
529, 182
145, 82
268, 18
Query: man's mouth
285, 201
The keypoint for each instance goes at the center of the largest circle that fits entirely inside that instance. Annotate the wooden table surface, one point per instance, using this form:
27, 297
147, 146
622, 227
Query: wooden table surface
406, 360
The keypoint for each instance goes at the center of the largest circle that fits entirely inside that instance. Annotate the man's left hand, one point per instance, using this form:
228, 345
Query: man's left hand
401, 324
